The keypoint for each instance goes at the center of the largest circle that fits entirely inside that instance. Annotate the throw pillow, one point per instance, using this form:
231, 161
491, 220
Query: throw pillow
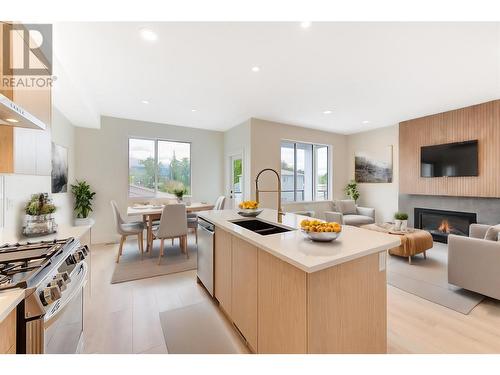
492, 233
347, 207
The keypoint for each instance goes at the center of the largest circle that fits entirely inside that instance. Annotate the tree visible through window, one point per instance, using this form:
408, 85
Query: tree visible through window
157, 167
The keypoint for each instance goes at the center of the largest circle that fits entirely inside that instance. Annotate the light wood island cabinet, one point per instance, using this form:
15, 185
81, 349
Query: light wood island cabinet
222, 269
244, 289
280, 308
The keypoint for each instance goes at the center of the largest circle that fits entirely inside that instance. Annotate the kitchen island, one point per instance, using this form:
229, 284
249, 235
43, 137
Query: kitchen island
286, 294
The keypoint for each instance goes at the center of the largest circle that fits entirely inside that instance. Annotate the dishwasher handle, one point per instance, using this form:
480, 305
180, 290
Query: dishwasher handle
206, 225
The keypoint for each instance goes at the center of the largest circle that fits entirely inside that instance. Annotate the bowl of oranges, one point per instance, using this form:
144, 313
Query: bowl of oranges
320, 231
249, 209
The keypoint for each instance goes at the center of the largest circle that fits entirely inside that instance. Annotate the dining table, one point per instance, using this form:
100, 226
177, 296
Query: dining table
152, 212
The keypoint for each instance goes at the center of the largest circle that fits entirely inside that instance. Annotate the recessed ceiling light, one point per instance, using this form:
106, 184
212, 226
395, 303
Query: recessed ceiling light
305, 24
327, 112
365, 122
255, 69
194, 110
13, 120
148, 34
144, 102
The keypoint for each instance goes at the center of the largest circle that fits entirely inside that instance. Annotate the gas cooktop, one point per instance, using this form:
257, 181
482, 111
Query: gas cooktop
21, 263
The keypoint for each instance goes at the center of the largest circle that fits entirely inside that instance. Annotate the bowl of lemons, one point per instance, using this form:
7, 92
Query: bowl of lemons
249, 209
320, 231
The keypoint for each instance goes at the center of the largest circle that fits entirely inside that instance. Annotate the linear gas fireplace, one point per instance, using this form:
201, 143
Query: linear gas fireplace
441, 223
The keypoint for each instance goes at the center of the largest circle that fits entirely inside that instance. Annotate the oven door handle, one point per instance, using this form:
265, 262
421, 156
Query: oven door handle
81, 281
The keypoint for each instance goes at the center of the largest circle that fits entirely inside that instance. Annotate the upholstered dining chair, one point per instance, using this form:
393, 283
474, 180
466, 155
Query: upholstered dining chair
219, 203
125, 229
173, 224
192, 223
192, 217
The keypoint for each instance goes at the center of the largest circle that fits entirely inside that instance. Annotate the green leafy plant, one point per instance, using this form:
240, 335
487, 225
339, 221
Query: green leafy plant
179, 192
401, 216
39, 204
83, 198
351, 190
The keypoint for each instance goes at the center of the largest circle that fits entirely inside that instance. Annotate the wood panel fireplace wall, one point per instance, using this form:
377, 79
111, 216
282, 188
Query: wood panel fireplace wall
441, 223
481, 122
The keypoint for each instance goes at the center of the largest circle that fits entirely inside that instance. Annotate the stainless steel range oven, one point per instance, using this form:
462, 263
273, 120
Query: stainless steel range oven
63, 320
54, 274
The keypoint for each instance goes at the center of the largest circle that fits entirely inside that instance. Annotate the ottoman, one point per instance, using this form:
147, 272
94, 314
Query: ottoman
413, 241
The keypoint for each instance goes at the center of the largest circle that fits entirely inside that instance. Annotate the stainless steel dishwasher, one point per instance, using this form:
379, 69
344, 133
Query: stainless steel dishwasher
206, 237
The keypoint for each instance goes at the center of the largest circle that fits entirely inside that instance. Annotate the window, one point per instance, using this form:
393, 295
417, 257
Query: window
304, 172
158, 167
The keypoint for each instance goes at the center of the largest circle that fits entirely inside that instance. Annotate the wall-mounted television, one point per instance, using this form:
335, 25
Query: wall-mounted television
449, 160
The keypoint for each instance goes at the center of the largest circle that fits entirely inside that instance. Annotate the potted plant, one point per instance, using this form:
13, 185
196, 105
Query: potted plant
38, 219
179, 192
351, 190
400, 221
83, 202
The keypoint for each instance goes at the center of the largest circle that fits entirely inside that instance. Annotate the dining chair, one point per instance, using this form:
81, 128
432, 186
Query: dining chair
173, 224
219, 203
125, 229
192, 223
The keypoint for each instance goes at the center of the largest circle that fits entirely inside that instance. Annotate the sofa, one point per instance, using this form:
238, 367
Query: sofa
474, 261
348, 213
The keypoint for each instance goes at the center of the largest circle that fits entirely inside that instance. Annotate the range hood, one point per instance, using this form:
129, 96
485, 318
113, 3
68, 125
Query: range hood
13, 115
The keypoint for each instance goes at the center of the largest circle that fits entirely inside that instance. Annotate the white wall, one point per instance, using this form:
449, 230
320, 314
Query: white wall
102, 160
63, 134
383, 197
266, 153
237, 140
19, 187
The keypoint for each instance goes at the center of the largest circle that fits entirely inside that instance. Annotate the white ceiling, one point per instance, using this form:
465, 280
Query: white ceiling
381, 72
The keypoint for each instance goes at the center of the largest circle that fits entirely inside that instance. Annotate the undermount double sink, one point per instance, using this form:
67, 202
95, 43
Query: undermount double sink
261, 227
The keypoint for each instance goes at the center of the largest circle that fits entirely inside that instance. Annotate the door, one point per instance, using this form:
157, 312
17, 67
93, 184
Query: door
237, 180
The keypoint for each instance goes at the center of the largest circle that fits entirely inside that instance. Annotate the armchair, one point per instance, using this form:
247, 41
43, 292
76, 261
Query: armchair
474, 262
348, 213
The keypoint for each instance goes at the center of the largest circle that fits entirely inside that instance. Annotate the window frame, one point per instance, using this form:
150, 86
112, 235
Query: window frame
329, 167
156, 140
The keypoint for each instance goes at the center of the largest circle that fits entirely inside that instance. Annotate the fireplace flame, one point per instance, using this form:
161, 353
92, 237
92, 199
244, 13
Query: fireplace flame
444, 227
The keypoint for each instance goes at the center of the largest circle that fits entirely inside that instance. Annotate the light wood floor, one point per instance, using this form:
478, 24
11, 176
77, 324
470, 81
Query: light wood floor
124, 318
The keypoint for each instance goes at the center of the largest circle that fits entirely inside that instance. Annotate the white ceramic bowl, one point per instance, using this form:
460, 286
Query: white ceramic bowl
249, 212
321, 236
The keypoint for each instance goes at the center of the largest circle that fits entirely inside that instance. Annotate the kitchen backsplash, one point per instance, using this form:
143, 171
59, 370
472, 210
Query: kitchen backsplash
18, 190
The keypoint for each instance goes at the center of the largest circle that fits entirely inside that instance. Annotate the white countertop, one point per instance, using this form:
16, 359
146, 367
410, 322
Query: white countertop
292, 247
63, 231
9, 299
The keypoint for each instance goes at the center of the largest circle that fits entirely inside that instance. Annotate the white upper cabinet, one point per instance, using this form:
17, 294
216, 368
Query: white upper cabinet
32, 152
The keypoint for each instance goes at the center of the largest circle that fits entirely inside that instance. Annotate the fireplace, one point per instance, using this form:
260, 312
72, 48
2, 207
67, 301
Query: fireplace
441, 223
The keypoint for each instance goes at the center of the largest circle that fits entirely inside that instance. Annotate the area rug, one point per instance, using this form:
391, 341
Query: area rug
199, 329
131, 267
428, 279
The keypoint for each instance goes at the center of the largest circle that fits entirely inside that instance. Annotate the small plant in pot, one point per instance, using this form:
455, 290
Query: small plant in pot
400, 221
351, 190
38, 219
179, 192
83, 195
